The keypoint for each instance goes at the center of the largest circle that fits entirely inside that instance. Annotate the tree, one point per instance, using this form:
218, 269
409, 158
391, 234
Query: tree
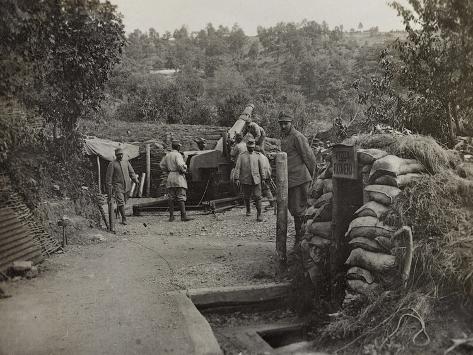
436, 66
360, 26
67, 60
237, 40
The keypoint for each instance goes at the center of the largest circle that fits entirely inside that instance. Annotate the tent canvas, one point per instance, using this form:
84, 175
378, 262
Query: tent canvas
105, 148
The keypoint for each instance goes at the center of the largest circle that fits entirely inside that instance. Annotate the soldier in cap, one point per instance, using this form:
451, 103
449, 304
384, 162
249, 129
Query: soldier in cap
174, 165
301, 164
118, 181
249, 175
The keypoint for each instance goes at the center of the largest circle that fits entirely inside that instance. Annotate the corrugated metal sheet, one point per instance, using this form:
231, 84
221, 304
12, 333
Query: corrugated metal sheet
17, 241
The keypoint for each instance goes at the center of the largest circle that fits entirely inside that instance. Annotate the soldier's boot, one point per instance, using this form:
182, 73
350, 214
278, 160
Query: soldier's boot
171, 210
182, 207
259, 206
121, 209
248, 207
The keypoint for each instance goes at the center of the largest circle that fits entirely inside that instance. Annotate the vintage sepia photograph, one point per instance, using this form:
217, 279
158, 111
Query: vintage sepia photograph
236, 177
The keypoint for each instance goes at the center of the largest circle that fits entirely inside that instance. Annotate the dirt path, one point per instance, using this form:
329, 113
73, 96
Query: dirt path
111, 297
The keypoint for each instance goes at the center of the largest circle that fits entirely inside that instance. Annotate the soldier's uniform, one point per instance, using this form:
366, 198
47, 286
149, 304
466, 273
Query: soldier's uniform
176, 185
249, 172
257, 132
118, 181
301, 164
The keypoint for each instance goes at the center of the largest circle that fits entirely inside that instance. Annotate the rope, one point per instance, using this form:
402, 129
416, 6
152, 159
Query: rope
205, 191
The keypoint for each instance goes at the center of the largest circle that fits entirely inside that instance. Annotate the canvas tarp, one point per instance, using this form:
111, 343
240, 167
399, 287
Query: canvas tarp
105, 148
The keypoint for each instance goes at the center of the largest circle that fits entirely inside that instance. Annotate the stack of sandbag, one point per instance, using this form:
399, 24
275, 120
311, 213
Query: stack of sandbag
318, 227
371, 264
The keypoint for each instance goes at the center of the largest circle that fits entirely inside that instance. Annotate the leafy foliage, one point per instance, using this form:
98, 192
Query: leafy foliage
64, 63
436, 67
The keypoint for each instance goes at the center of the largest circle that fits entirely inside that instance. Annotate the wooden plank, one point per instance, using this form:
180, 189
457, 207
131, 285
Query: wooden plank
281, 203
199, 330
148, 170
218, 296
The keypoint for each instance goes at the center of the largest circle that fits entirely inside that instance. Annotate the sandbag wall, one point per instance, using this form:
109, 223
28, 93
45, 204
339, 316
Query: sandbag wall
371, 265
317, 228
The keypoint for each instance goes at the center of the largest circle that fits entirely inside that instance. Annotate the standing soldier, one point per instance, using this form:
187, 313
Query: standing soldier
249, 174
118, 181
301, 166
176, 185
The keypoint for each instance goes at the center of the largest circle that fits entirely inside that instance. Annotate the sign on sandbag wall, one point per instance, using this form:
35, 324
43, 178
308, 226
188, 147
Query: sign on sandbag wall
345, 162
347, 198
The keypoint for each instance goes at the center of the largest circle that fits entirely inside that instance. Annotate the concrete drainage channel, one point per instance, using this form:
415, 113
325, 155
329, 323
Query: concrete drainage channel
243, 320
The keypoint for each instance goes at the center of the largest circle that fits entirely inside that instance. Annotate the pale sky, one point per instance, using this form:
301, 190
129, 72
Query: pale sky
168, 15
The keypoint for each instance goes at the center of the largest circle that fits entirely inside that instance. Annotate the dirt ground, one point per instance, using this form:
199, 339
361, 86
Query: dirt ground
108, 294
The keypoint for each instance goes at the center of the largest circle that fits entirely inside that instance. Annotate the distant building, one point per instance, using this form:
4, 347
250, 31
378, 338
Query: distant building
165, 72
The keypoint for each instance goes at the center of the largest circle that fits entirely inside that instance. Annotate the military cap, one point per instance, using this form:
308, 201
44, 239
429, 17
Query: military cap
238, 134
118, 151
251, 142
284, 117
200, 140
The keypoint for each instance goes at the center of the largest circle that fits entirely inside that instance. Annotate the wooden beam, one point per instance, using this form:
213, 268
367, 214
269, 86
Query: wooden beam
148, 170
281, 201
237, 295
99, 174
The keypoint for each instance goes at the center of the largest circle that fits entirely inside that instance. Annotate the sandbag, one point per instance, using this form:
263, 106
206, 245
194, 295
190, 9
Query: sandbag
305, 225
368, 227
327, 186
394, 166
358, 273
310, 212
319, 242
366, 169
385, 243
371, 209
324, 213
365, 243
382, 193
317, 189
327, 173
397, 181
321, 229
368, 156
374, 262
363, 288
323, 200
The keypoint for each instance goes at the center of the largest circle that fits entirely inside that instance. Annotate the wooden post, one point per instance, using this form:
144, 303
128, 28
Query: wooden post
99, 175
142, 184
281, 198
148, 170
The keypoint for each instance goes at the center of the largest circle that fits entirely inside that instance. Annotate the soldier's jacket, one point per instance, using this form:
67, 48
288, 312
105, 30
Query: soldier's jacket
266, 166
256, 131
301, 161
119, 175
173, 164
248, 168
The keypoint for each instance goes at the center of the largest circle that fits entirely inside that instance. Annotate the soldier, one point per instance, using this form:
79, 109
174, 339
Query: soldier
173, 164
249, 174
118, 181
301, 166
256, 131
